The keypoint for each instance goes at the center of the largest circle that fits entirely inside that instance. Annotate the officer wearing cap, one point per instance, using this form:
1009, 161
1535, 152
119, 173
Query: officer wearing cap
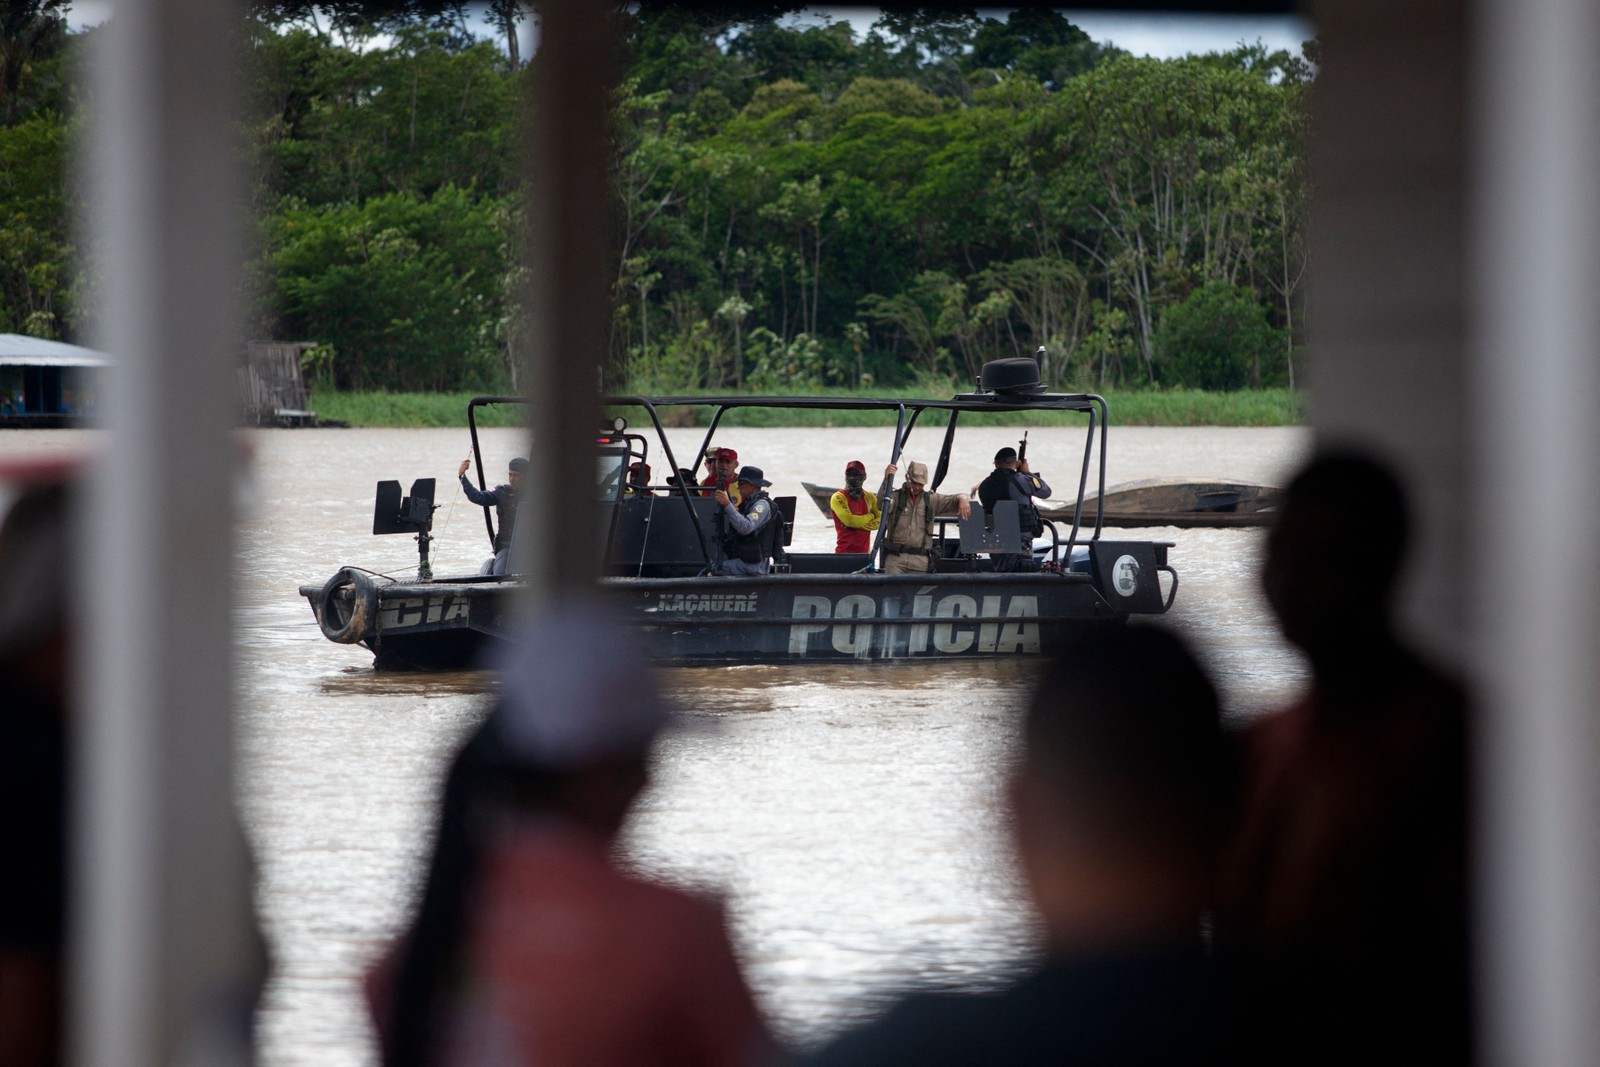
855, 511
749, 532
908, 529
503, 498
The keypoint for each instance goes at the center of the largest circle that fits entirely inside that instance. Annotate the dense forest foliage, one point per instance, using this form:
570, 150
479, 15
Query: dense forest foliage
796, 204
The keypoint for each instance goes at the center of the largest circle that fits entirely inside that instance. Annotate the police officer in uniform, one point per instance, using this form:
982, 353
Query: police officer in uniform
750, 527
1011, 480
503, 498
908, 524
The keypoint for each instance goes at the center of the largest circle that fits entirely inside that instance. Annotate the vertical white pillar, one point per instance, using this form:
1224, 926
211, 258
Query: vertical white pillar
1535, 352
1386, 300
162, 934
569, 248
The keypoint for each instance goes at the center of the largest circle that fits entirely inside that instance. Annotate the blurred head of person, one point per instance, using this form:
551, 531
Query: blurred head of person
514, 470
639, 474
34, 567
571, 734
727, 464
35, 760
1124, 792
916, 477
1334, 554
565, 748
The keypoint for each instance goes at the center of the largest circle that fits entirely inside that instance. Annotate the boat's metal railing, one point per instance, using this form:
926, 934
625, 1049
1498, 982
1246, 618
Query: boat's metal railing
477, 453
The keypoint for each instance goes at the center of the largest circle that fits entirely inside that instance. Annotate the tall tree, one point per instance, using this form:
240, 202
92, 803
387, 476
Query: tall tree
28, 29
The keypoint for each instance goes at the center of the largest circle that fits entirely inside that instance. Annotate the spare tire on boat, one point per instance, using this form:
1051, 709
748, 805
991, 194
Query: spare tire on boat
363, 606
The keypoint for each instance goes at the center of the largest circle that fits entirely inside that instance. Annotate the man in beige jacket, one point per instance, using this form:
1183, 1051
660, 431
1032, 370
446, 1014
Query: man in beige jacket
908, 520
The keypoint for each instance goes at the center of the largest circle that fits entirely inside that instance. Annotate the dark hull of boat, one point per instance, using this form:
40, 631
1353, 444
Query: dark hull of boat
785, 618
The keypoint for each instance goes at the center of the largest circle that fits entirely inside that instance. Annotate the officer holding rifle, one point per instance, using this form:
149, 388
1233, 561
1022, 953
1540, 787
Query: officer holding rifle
1012, 480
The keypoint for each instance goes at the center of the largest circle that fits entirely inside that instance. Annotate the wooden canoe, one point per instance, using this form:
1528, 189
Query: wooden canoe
1154, 502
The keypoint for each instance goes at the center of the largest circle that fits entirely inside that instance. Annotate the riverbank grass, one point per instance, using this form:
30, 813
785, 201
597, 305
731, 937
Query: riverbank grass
1142, 407
408, 410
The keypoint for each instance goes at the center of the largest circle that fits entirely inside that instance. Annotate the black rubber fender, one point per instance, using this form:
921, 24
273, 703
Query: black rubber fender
363, 606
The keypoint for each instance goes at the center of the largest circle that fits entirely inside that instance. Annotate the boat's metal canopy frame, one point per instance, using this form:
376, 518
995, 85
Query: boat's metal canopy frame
906, 413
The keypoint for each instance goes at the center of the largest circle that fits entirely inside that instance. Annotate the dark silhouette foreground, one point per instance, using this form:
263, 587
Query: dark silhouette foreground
531, 945
1346, 915
1120, 804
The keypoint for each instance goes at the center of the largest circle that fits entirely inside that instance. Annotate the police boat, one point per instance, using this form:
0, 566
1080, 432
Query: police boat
664, 544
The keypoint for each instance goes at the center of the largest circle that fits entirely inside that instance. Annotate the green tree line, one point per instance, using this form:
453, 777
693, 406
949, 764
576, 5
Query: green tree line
796, 205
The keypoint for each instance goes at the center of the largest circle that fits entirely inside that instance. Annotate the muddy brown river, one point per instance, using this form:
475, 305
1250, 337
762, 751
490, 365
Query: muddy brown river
848, 814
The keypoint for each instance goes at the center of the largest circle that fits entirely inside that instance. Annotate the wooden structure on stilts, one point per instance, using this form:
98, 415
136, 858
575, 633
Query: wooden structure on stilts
271, 389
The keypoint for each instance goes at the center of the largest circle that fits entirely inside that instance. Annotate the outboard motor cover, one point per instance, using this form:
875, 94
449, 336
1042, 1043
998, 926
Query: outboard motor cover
1011, 377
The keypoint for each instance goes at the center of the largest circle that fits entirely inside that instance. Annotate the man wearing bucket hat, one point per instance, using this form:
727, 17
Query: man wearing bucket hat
855, 511
531, 945
908, 529
749, 532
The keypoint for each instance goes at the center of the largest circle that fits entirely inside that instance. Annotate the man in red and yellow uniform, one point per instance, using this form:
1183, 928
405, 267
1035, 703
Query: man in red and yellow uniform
722, 472
855, 511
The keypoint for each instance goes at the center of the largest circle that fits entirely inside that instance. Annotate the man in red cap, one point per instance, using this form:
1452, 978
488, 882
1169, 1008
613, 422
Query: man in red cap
639, 479
722, 472
855, 511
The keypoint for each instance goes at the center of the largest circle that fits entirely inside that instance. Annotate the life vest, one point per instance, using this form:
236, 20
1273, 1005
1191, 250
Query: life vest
754, 547
892, 529
711, 483
997, 487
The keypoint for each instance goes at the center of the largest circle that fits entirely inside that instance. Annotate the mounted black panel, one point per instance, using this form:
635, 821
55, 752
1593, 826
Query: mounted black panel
999, 532
392, 514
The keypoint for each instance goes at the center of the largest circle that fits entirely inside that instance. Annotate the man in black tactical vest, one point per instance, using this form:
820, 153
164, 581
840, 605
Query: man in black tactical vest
750, 528
1011, 480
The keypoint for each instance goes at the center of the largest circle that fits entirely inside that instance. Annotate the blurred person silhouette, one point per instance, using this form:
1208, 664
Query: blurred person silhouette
34, 665
37, 638
1345, 912
1120, 802
531, 945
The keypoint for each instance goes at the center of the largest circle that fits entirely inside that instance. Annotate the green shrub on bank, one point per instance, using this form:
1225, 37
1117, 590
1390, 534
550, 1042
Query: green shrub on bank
1196, 407
408, 410
1174, 407
1218, 338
